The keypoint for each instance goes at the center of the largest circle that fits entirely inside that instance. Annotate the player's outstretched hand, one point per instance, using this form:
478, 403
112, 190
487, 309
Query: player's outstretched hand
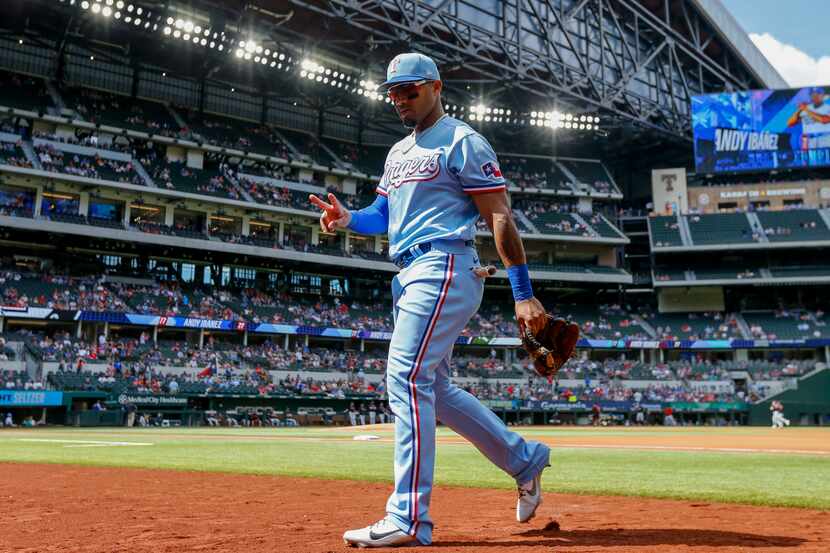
334, 215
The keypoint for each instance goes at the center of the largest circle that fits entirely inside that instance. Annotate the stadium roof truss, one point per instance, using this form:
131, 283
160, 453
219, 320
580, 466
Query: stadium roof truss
638, 60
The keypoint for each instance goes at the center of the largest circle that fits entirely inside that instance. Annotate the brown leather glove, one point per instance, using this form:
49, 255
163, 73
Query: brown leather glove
552, 347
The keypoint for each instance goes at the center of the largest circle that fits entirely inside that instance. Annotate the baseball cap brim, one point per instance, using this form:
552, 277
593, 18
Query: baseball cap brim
400, 79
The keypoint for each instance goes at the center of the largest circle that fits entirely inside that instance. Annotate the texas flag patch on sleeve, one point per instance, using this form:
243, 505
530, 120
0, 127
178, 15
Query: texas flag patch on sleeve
491, 170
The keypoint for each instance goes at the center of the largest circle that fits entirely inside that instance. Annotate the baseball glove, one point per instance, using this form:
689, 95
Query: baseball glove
552, 346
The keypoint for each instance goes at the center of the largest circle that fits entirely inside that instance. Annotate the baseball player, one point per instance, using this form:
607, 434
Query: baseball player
436, 184
778, 419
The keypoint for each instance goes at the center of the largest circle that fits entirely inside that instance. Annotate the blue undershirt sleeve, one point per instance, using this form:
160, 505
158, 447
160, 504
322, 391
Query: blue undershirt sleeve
373, 219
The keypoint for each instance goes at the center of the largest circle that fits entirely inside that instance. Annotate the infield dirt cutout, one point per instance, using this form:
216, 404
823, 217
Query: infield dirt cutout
68, 508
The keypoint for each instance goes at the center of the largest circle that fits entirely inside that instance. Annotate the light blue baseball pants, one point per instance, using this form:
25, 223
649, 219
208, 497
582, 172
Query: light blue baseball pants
434, 299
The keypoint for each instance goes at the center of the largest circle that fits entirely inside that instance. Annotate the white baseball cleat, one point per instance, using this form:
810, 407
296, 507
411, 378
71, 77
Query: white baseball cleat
530, 497
380, 534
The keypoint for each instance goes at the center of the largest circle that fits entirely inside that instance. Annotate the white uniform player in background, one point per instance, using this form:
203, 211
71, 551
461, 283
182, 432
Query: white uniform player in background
778, 419
437, 183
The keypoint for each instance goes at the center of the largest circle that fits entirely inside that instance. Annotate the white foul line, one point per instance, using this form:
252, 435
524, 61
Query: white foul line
692, 448
83, 443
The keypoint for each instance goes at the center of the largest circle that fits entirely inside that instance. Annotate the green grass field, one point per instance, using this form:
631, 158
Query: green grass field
772, 479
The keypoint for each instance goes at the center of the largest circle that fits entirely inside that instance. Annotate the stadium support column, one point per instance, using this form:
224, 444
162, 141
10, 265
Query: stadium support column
126, 220
38, 200
362, 341
79, 330
245, 338
827, 354
246, 225
169, 215
83, 208
3, 324
155, 335
286, 342
315, 236
281, 234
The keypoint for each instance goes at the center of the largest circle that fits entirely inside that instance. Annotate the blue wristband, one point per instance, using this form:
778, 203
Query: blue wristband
520, 281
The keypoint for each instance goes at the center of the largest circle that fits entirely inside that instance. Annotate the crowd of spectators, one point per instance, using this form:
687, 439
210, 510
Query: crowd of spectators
57, 161
52, 288
12, 154
788, 323
85, 138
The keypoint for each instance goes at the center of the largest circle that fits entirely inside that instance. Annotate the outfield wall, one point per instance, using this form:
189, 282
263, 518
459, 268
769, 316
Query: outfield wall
806, 405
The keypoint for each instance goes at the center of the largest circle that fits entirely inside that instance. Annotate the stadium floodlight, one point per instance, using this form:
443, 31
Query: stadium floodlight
106, 11
96, 8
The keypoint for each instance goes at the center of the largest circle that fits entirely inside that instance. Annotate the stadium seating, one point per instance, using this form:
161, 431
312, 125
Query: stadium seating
267, 194
724, 273
787, 325
801, 271
227, 132
692, 326
720, 228
665, 231
590, 175
669, 274
558, 224
121, 111
23, 92
58, 161
12, 154
367, 159
176, 175
309, 146
602, 226
793, 225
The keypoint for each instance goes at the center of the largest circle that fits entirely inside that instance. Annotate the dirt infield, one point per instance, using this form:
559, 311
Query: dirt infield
62, 508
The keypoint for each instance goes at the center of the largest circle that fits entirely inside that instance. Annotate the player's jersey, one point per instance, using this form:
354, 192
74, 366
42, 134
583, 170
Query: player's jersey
428, 180
809, 125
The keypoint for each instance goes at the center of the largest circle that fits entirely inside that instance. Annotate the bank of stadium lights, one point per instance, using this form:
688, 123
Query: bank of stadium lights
558, 120
121, 11
188, 31
317, 72
249, 50
486, 114
369, 89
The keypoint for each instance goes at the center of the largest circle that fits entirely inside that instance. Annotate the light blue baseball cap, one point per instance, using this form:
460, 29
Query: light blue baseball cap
409, 67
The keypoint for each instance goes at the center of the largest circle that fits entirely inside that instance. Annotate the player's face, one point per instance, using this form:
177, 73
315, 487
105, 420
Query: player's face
414, 101
817, 98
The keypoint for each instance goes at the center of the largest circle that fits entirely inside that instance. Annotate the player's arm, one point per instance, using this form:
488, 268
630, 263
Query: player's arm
818, 118
795, 118
495, 210
473, 162
373, 219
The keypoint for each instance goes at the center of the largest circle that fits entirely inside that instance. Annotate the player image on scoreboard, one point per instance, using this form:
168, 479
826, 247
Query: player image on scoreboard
761, 129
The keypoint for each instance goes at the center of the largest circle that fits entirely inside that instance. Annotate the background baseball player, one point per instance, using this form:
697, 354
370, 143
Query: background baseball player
437, 182
778, 419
